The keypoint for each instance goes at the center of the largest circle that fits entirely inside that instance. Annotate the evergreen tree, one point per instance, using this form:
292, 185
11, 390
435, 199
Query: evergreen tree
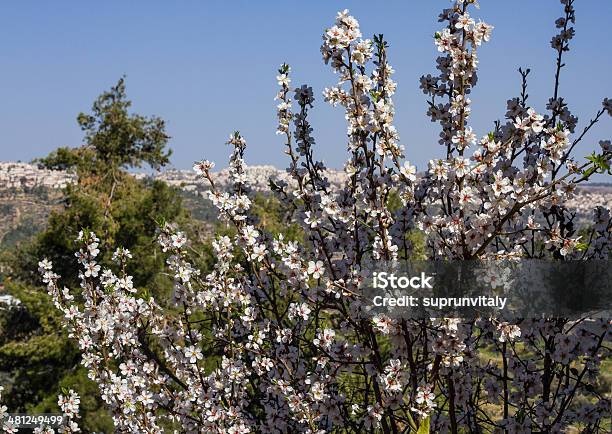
34, 350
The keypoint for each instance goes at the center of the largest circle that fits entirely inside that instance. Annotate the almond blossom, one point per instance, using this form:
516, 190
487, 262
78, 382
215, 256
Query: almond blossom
282, 323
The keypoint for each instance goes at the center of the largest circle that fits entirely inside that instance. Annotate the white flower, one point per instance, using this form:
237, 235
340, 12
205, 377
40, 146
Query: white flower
121, 254
424, 400
178, 240
466, 196
537, 123
374, 416
193, 354
91, 269
438, 169
325, 338
283, 79
464, 22
501, 184
362, 52
337, 37
69, 403
9, 427
317, 391
315, 269
464, 138
202, 167
383, 323
424, 395
569, 244
311, 219
250, 235
462, 167
409, 171
299, 310
259, 252
184, 274
483, 30
93, 250
45, 265
508, 332
522, 124
146, 398
444, 40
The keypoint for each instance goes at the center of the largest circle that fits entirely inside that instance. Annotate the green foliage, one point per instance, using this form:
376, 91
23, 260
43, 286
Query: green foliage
34, 350
62, 159
94, 418
128, 221
416, 239
106, 199
33, 346
114, 137
394, 202
26, 229
199, 207
414, 246
270, 213
600, 163
424, 428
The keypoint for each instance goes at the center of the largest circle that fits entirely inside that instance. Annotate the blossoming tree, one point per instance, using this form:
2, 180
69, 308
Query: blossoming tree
276, 339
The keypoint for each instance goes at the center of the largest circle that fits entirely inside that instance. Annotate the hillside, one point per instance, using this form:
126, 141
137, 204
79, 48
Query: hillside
28, 194
24, 212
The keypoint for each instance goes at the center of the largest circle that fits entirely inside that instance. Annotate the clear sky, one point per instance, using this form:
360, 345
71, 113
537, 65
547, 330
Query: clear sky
208, 68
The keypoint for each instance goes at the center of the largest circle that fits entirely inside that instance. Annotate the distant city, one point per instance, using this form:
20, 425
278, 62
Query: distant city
17, 175
25, 176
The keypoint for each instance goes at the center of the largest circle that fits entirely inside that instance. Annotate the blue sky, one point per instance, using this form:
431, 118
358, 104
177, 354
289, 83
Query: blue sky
208, 68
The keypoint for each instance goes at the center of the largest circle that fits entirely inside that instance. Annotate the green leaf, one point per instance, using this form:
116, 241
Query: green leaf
588, 172
413, 426
146, 295
424, 428
581, 246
